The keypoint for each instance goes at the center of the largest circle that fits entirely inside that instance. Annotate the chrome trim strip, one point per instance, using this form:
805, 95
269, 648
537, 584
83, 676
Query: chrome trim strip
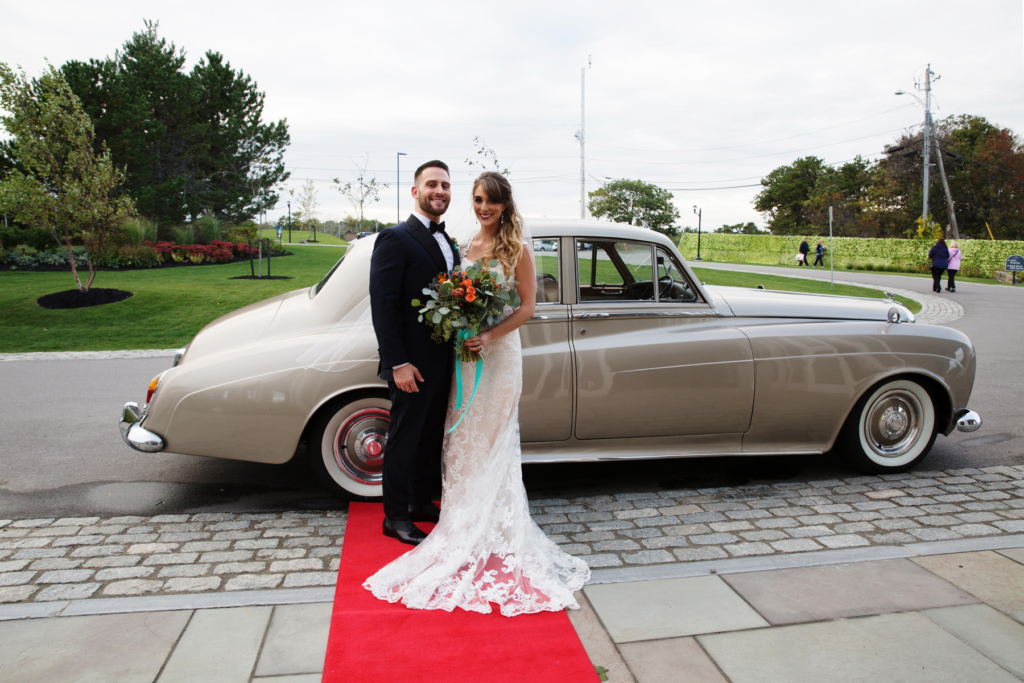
542, 458
650, 314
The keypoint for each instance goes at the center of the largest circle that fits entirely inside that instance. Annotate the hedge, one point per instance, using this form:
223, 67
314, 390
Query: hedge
980, 256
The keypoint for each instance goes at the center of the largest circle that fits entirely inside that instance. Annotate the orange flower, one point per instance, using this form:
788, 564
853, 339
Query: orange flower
467, 283
442, 278
471, 296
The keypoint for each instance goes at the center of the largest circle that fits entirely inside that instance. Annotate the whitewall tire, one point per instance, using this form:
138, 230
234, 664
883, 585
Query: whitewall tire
892, 428
345, 445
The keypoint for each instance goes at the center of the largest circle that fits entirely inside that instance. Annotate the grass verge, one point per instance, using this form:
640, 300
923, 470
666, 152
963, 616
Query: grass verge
298, 235
736, 278
168, 307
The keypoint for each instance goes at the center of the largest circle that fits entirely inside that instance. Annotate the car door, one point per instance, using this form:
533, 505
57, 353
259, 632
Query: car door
545, 410
652, 357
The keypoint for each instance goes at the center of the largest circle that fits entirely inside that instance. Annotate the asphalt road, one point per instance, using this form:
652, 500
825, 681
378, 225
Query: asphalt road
61, 453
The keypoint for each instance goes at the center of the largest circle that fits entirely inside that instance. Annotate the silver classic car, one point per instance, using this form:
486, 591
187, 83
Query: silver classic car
627, 356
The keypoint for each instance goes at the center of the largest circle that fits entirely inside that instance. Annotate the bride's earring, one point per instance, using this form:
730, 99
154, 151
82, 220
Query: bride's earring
501, 218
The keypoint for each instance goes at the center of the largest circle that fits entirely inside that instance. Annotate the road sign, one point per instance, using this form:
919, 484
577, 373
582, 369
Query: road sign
1014, 263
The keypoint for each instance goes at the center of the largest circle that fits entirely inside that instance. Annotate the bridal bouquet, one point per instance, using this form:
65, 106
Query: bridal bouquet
465, 301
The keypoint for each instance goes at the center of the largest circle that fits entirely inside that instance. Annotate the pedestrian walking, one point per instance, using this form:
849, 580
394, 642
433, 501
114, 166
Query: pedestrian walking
804, 251
953, 265
819, 255
939, 254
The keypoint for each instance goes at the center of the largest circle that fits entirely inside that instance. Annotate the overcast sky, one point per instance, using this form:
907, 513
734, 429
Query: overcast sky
688, 95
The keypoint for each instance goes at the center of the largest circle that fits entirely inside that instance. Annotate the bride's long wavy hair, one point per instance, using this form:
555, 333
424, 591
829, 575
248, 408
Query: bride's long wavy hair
508, 242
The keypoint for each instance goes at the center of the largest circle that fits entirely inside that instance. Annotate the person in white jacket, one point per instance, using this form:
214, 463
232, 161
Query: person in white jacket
954, 265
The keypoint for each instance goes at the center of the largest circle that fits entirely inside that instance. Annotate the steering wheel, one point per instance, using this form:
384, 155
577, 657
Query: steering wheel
665, 285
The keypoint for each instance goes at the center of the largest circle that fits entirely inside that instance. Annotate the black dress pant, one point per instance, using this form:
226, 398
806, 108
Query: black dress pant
937, 278
412, 456
951, 283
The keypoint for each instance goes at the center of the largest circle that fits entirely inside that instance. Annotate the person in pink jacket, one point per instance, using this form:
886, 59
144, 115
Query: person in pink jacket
954, 265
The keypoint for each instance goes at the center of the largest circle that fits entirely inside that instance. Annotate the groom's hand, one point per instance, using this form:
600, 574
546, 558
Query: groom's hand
406, 378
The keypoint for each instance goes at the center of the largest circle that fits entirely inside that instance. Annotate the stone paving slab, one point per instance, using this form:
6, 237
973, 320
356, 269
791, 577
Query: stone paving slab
991, 633
790, 596
678, 660
991, 577
879, 517
895, 647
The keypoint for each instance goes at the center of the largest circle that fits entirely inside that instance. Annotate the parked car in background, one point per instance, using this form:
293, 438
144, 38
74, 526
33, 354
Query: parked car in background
628, 356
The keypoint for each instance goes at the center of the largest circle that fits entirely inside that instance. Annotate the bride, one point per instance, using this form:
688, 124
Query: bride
485, 547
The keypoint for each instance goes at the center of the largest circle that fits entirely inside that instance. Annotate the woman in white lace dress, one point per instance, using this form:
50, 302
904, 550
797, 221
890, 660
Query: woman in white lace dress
486, 548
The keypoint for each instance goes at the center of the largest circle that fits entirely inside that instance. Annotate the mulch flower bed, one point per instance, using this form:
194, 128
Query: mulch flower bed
73, 298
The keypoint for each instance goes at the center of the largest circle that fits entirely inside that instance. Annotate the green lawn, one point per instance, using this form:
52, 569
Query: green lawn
736, 278
298, 235
170, 304
841, 272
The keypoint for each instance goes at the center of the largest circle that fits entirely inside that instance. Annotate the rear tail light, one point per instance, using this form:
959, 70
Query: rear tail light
153, 384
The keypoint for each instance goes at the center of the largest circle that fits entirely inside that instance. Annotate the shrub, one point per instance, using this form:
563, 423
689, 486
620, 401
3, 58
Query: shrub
139, 230
12, 236
183, 234
979, 256
247, 231
207, 229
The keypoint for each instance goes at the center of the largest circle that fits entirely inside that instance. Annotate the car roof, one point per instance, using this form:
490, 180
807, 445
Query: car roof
546, 228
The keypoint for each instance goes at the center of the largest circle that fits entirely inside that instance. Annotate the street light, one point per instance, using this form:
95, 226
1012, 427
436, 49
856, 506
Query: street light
926, 103
398, 187
289, 222
698, 212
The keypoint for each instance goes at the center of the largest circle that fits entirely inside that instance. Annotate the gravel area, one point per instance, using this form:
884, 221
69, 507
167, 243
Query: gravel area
76, 558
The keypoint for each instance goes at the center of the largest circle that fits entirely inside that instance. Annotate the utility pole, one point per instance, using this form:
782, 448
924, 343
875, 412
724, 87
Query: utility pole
945, 186
699, 212
398, 187
927, 134
581, 135
289, 221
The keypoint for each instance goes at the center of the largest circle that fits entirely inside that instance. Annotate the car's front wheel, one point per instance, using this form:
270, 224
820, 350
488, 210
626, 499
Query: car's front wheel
891, 429
346, 443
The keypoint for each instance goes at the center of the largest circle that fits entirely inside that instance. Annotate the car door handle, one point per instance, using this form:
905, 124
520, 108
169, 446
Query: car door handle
593, 315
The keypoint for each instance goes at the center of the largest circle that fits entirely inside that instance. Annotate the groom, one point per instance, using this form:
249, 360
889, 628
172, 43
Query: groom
406, 258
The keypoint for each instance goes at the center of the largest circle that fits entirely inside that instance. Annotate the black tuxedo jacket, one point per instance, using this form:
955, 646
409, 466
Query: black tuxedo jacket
406, 258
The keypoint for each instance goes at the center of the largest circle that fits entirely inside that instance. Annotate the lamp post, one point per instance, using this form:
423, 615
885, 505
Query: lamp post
398, 187
289, 222
698, 212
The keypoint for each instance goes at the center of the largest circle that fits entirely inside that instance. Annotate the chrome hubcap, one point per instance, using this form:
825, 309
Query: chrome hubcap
359, 444
893, 423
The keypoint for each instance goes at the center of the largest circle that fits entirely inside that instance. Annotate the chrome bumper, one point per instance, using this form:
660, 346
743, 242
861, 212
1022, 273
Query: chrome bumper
134, 435
967, 420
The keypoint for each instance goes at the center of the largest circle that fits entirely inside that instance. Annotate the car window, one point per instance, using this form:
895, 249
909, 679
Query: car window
320, 285
546, 256
672, 282
614, 271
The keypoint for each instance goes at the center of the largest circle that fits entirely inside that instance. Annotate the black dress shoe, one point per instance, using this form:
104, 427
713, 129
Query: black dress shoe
427, 512
404, 530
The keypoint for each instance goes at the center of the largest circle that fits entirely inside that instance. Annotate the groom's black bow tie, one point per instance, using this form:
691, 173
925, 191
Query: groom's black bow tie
437, 227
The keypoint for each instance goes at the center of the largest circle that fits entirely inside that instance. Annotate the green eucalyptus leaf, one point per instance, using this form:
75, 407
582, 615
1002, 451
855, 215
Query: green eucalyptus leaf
421, 318
427, 290
437, 318
493, 263
416, 302
443, 310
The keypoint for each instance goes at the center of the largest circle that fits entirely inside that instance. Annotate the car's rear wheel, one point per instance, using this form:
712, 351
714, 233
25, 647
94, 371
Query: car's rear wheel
891, 429
346, 443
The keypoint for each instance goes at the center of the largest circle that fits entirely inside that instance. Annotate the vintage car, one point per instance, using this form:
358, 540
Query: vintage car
627, 356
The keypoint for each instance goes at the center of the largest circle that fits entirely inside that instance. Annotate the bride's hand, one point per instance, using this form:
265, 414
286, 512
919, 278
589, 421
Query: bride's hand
477, 343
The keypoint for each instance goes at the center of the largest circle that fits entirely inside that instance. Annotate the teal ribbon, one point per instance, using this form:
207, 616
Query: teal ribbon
463, 335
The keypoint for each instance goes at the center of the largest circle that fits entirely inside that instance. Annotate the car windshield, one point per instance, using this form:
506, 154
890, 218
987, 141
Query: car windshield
320, 285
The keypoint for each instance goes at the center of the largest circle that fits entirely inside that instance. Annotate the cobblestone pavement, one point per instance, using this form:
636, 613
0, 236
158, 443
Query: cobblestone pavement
76, 558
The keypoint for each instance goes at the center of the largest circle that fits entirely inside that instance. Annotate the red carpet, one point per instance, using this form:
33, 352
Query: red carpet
376, 641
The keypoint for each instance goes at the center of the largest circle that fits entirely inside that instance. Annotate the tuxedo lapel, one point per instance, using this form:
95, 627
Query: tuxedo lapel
427, 241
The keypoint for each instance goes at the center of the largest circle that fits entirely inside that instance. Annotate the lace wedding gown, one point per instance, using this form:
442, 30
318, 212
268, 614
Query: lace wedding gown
485, 548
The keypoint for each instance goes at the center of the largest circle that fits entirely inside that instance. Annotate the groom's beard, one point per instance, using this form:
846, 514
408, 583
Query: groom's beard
425, 207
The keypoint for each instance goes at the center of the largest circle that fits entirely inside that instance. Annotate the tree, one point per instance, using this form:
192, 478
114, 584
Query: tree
190, 143
489, 158
786, 192
308, 205
635, 202
58, 182
365, 191
740, 229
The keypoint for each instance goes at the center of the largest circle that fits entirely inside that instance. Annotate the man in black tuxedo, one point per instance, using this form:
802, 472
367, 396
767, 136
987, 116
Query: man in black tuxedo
406, 258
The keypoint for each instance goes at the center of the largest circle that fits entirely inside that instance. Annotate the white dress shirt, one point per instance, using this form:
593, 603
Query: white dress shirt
446, 247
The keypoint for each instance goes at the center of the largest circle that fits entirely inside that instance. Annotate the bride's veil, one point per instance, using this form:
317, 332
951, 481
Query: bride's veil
347, 343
